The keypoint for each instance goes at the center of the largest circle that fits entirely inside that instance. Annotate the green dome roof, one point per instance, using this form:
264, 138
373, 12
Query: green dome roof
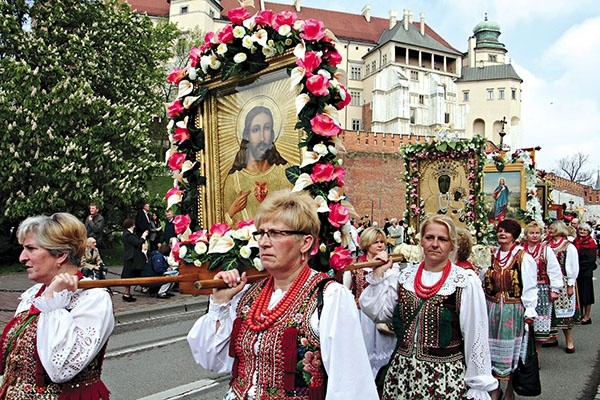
486, 25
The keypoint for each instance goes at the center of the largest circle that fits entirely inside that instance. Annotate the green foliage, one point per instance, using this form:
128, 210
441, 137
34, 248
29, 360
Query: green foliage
79, 88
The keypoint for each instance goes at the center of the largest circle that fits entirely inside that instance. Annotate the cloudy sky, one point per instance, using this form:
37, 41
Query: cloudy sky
555, 48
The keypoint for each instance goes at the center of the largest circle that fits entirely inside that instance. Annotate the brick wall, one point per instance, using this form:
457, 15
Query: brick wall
375, 173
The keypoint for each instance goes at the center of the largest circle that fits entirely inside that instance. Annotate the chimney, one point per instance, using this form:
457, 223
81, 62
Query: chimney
393, 18
366, 12
410, 20
297, 5
405, 19
422, 24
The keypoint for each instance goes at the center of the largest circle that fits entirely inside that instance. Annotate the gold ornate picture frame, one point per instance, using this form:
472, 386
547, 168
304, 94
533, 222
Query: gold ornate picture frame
263, 99
444, 187
504, 191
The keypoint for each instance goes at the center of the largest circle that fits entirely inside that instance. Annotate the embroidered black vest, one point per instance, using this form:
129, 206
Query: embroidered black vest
504, 283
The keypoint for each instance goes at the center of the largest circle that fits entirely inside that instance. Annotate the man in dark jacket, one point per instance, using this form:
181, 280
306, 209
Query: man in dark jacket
160, 266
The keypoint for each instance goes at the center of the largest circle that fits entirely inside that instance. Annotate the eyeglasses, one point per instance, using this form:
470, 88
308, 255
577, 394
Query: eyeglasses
275, 234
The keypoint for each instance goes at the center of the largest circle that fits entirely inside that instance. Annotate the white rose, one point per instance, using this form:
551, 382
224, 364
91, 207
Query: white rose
182, 251
257, 264
200, 248
245, 252
240, 58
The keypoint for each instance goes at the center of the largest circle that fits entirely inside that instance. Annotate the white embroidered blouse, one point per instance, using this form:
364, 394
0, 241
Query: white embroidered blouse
379, 299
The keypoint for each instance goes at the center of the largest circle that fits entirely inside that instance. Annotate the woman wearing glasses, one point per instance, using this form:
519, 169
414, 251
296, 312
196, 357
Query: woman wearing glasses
295, 334
380, 343
54, 345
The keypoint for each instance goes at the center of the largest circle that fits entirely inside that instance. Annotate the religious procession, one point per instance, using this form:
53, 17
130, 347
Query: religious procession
458, 298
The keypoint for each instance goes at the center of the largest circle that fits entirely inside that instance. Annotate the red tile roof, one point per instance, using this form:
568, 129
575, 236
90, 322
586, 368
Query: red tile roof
343, 25
154, 8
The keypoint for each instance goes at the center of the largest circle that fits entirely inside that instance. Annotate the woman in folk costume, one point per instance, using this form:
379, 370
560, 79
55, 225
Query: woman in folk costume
549, 279
54, 346
295, 334
510, 287
586, 249
380, 342
566, 308
438, 312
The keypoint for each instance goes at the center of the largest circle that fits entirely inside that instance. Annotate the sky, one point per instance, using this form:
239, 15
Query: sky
554, 46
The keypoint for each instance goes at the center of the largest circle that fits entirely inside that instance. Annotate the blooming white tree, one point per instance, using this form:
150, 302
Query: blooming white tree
81, 81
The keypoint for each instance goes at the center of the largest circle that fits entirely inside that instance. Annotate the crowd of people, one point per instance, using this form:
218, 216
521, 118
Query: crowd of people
444, 327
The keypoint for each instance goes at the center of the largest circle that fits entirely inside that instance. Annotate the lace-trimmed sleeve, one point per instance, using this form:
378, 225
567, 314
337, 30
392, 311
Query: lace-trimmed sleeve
72, 329
474, 328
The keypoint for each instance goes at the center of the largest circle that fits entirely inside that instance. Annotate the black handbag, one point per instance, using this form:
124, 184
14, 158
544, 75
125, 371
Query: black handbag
526, 378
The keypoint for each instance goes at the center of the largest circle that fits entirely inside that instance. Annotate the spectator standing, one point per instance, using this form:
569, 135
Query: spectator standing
134, 259
396, 232
92, 265
142, 220
169, 228
94, 225
155, 235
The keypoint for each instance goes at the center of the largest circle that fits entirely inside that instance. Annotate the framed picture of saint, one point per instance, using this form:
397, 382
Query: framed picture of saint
504, 191
444, 187
251, 140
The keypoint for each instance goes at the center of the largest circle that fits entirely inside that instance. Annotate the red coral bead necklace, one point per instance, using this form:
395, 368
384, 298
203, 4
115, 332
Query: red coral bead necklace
259, 316
426, 292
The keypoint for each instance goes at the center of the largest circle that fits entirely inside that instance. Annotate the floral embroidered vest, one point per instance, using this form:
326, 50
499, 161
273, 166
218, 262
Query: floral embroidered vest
561, 256
541, 262
24, 375
504, 284
433, 323
288, 363
358, 281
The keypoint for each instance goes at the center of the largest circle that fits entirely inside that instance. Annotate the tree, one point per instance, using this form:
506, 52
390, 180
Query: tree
81, 81
573, 168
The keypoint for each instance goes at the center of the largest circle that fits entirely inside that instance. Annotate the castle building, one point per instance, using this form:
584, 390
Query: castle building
405, 80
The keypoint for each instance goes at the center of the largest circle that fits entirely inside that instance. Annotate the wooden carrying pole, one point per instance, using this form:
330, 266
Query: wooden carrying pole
201, 283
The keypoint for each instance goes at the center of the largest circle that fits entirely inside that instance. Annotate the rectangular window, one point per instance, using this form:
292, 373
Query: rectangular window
184, 9
513, 94
356, 98
374, 66
414, 75
447, 118
412, 115
466, 95
421, 99
355, 72
490, 94
501, 94
492, 57
368, 69
356, 125
384, 59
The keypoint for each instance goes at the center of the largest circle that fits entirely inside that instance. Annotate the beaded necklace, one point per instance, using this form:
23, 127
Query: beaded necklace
426, 292
557, 244
535, 253
259, 316
502, 261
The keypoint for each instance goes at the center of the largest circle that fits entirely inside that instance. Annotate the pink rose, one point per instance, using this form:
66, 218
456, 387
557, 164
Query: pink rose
175, 108
332, 56
225, 35
313, 30
312, 362
247, 222
238, 15
176, 161
174, 191
176, 75
324, 125
338, 215
209, 41
181, 223
175, 251
339, 174
322, 172
195, 54
264, 18
219, 229
346, 99
198, 236
181, 134
318, 85
311, 61
284, 18
340, 258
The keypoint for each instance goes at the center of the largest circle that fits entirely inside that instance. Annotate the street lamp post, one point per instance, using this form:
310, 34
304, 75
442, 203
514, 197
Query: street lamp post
502, 133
